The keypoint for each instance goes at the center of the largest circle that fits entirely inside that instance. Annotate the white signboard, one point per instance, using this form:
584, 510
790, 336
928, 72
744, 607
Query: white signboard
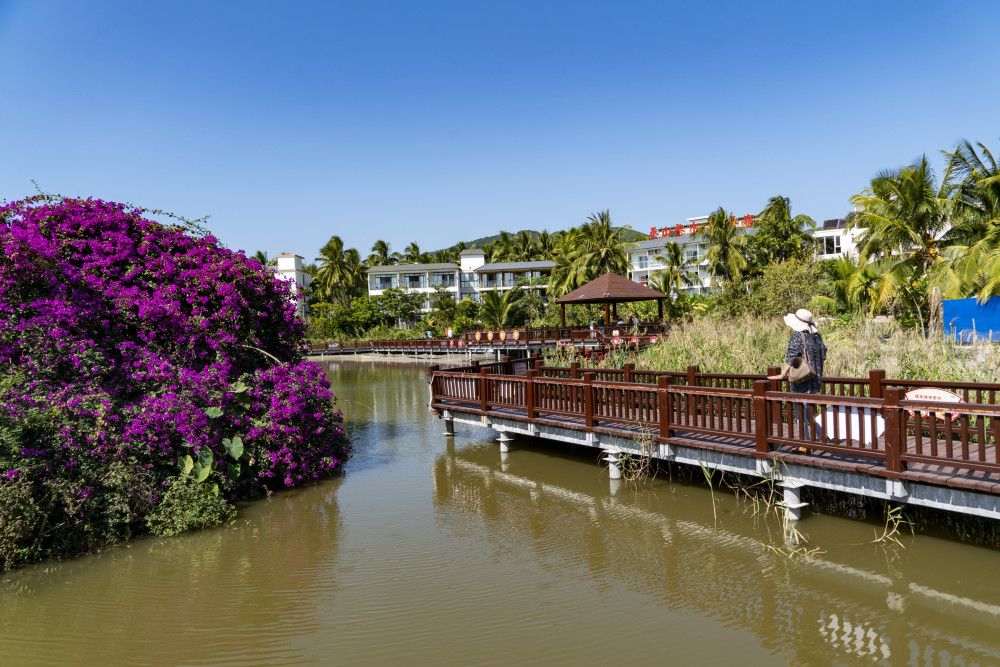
860, 421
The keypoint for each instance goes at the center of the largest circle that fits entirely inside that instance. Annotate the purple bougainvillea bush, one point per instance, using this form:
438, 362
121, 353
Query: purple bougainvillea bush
149, 377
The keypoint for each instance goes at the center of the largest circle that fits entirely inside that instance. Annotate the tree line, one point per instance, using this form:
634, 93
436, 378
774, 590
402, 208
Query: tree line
919, 240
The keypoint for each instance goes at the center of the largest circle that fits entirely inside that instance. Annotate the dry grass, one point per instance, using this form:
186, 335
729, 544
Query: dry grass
854, 348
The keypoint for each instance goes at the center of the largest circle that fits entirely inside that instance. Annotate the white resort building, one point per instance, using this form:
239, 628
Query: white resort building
833, 240
290, 269
470, 278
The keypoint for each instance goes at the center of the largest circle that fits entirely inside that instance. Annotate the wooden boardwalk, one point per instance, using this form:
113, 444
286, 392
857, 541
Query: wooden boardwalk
860, 427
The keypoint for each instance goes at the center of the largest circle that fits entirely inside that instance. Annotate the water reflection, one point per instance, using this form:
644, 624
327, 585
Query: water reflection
832, 607
442, 551
216, 596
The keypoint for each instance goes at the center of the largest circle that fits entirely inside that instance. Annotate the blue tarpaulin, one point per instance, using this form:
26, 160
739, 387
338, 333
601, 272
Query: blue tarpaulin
967, 319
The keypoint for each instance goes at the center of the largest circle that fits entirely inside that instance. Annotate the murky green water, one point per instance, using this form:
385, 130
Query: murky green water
441, 552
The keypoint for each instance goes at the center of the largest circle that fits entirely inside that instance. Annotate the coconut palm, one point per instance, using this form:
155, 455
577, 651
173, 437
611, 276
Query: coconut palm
504, 247
727, 245
546, 244
380, 255
500, 309
677, 272
522, 248
845, 286
903, 216
412, 254
333, 272
490, 253
602, 247
780, 236
974, 239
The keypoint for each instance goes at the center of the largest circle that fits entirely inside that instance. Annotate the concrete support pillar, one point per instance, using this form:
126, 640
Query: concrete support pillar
449, 428
504, 442
614, 472
792, 500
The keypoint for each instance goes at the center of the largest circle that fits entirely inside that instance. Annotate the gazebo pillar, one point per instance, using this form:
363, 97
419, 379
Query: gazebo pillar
614, 310
659, 307
562, 314
607, 314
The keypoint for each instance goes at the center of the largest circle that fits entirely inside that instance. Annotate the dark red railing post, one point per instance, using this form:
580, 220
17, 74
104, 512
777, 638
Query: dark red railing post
774, 385
529, 393
535, 361
588, 399
895, 438
474, 363
876, 380
482, 390
628, 368
692, 381
663, 403
761, 425
574, 370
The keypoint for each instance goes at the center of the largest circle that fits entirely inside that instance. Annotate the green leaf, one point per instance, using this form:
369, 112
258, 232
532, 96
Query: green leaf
215, 490
234, 447
213, 413
233, 471
205, 457
186, 463
238, 388
201, 473
188, 443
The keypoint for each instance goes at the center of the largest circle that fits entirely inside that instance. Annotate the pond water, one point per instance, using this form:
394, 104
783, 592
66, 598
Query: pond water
441, 551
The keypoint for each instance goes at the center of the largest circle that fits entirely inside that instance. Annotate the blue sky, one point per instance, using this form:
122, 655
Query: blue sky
435, 121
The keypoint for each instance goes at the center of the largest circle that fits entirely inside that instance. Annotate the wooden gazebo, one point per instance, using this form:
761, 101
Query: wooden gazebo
610, 289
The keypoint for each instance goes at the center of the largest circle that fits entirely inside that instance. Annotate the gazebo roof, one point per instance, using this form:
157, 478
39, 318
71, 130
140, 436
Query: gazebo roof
611, 288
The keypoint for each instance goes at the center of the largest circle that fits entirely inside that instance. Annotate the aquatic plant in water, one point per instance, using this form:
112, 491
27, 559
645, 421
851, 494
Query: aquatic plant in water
127, 348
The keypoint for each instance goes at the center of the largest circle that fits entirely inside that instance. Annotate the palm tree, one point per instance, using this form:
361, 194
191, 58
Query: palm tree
845, 286
546, 244
442, 256
779, 235
355, 276
602, 247
677, 272
975, 236
261, 257
490, 254
500, 309
726, 246
380, 255
333, 271
523, 247
411, 255
504, 247
903, 216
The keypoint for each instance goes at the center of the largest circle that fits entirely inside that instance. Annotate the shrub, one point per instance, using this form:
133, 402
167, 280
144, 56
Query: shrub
128, 347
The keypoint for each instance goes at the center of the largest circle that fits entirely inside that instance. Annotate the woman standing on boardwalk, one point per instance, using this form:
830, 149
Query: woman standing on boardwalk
806, 343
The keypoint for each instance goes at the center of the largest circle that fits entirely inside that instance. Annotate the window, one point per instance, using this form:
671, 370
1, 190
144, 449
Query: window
690, 253
383, 282
443, 280
413, 280
643, 261
489, 280
467, 280
831, 245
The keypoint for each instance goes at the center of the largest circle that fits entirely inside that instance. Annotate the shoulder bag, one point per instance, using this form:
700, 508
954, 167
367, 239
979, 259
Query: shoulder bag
800, 370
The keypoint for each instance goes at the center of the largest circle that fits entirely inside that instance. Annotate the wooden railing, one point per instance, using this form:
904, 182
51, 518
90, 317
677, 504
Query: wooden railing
862, 417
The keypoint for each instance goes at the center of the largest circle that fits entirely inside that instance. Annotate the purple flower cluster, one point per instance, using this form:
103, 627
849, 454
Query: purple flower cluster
117, 334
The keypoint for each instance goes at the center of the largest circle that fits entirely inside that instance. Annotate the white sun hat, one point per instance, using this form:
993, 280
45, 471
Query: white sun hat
801, 320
